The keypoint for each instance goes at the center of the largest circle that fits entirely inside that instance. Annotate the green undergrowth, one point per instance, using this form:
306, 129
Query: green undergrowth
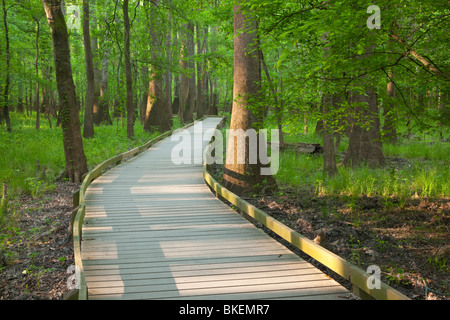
32, 160
413, 168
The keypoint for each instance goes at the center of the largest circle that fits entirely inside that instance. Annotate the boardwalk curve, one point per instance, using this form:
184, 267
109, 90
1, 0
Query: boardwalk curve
154, 230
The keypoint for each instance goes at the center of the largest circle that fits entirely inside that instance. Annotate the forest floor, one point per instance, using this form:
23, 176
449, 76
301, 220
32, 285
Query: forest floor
38, 251
411, 246
408, 240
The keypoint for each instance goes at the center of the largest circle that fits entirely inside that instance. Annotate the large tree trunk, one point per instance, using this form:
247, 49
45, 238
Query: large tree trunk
244, 176
128, 77
76, 165
365, 141
156, 113
88, 130
364, 144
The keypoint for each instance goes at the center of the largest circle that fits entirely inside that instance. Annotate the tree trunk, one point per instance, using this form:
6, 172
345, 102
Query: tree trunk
156, 113
168, 75
5, 103
189, 111
103, 100
184, 81
389, 128
365, 141
76, 165
176, 88
278, 111
88, 130
145, 83
200, 76
329, 161
36, 70
96, 111
128, 77
246, 176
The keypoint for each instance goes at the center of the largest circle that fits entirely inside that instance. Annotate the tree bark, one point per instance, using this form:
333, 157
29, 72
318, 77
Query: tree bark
200, 76
189, 110
98, 115
36, 70
168, 75
128, 77
365, 141
184, 81
88, 129
103, 98
5, 103
244, 177
76, 165
156, 113
389, 127
329, 161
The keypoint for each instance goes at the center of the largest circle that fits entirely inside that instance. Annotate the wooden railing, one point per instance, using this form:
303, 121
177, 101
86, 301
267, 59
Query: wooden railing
81, 291
348, 271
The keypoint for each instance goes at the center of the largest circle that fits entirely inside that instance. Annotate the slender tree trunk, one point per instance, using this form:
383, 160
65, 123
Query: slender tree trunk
200, 76
5, 102
275, 98
189, 111
168, 74
389, 126
184, 81
145, 85
244, 176
98, 116
128, 77
36, 70
76, 165
213, 97
103, 100
329, 161
176, 88
88, 130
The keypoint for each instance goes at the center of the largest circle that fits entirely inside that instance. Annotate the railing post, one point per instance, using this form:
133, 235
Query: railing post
357, 291
4, 195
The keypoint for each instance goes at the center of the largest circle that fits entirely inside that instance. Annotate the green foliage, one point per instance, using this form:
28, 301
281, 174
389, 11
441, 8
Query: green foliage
24, 147
421, 176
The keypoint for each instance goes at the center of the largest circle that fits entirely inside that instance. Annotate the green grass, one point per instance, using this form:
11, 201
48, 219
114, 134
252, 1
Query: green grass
21, 149
429, 178
424, 170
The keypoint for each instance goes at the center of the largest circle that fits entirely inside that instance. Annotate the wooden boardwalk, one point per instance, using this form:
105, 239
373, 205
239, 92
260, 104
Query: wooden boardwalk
153, 230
